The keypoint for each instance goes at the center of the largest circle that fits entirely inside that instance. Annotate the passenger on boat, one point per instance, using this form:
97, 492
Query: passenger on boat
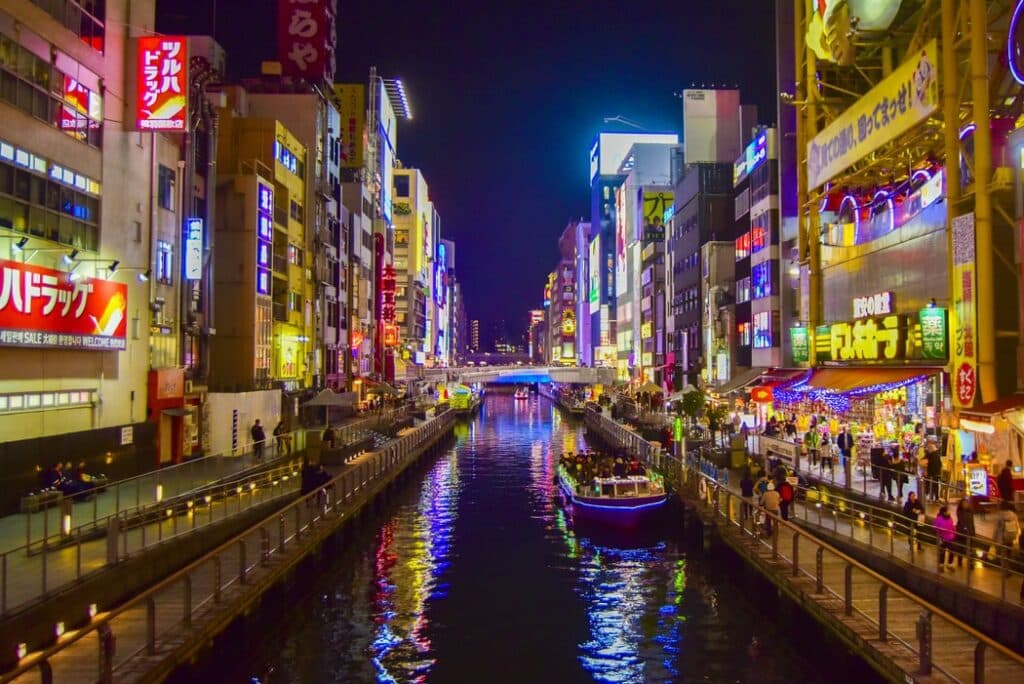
634, 467
619, 469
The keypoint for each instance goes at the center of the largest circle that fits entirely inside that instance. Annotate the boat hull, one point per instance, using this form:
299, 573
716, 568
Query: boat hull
615, 513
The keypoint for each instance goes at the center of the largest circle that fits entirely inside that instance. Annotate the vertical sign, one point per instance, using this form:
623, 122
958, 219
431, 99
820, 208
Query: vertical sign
234, 430
307, 39
264, 235
161, 102
350, 99
193, 248
800, 345
965, 360
933, 333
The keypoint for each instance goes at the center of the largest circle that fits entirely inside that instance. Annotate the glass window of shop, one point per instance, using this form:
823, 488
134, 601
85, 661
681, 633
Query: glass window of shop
34, 204
84, 18
34, 86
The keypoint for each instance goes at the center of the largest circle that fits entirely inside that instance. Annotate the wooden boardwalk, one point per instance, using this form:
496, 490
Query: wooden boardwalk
169, 623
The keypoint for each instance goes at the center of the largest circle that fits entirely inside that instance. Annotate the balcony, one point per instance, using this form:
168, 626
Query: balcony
281, 264
281, 312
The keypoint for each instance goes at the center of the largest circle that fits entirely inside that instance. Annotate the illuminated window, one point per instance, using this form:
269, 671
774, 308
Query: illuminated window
743, 246
164, 262
743, 290
743, 334
763, 330
758, 239
761, 280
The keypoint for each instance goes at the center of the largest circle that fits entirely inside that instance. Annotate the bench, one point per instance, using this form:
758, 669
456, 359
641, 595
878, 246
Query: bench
37, 501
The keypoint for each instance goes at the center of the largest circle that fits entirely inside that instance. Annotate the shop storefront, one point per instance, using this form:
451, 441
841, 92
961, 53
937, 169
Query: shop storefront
987, 437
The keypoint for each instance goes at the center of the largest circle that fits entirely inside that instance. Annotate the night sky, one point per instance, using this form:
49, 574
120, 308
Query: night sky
507, 97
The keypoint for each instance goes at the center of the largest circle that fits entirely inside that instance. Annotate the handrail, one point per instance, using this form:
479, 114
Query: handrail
935, 610
395, 448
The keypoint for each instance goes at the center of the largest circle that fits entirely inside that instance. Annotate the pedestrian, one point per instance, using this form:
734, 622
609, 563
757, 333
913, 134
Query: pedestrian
785, 498
933, 469
945, 530
281, 438
1007, 531
328, 436
827, 457
811, 443
771, 503
885, 475
747, 492
964, 530
1005, 482
899, 473
845, 443
913, 513
259, 438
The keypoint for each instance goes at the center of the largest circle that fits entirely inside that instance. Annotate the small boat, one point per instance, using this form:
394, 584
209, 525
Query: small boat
522, 393
623, 502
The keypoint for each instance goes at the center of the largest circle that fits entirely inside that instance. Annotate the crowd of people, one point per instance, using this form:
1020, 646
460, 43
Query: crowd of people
68, 481
584, 466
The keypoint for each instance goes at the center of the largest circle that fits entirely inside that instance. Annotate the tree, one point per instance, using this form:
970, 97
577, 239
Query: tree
716, 415
692, 405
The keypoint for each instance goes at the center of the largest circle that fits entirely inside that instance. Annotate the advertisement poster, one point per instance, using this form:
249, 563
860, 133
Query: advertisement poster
41, 307
307, 39
899, 102
964, 313
162, 84
594, 275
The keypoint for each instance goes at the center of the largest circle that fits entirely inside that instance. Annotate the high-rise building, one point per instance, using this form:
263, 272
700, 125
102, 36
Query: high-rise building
474, 335
413, 217
84, 192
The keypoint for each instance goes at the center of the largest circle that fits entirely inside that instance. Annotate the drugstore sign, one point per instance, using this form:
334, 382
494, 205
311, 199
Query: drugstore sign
41, 307
162, 82
883, 338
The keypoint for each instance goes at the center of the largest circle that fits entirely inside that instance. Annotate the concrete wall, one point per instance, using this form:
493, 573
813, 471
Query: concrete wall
264, 405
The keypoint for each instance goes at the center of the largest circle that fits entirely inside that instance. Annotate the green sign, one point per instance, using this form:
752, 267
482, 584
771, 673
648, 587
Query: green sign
677, 430
798, 342
933, 333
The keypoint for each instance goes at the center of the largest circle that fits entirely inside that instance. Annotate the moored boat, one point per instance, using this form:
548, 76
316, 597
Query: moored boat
619, 501
522, 393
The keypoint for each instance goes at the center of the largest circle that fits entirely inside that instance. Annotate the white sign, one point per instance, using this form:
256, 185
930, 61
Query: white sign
127, 435
194, 248
878, 304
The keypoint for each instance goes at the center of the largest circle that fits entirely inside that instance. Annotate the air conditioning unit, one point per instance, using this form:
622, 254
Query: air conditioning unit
188, 387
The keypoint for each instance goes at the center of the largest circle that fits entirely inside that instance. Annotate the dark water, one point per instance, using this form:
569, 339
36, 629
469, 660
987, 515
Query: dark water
473, 574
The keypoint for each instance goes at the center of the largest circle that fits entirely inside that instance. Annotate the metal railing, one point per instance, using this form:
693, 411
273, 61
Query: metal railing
184, 599
26, 579
806, 557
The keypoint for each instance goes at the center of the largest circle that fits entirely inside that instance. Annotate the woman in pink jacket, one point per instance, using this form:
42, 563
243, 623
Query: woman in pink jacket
945, 530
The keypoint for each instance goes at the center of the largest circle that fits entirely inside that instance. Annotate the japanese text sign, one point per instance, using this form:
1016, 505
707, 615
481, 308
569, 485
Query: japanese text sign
933, 333
799, 343
964, 312
307, 38
41, 307
900, 101
162, 81
193, 248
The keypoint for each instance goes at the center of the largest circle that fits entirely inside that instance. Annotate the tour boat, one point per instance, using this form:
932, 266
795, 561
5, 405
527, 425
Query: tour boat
623, 502
522, 393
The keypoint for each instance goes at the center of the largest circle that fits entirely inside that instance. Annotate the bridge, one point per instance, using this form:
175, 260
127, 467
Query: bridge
522, 375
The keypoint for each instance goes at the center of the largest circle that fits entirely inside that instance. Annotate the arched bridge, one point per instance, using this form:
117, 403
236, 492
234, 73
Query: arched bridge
512, 375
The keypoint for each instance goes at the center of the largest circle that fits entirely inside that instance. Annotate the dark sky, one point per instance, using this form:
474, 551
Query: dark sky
507, 97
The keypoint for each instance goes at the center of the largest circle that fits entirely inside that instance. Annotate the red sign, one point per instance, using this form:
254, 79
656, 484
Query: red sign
966, 384
762, 394
390, 335
41, 307
357, 339
387, 294
161, 103
307, 38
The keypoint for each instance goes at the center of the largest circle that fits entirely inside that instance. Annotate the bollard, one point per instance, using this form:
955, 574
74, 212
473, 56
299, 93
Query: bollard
107, 646
979, 663
924, 641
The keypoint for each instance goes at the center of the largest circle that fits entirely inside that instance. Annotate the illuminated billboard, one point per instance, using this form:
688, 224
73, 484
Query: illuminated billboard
610, 149
350, 99
307, 39
656, 205
42, 307
161, 102
388, 133
621, 281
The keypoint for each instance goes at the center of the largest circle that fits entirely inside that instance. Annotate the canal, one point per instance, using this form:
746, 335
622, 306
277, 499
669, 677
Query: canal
470, 572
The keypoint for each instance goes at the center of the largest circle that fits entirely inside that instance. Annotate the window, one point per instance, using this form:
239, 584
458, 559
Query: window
294, 301
294, 255
33, 85
761, 280
743, 290
758, 239
82, 17
401, 186
743, 334
295, 210
762, 330
165, 187
743, 246
164, 262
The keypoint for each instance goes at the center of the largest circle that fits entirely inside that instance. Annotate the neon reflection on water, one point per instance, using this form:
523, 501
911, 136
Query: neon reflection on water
400, 647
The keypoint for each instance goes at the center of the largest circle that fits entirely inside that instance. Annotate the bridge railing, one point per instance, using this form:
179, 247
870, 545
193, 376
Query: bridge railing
184, 599
883, 603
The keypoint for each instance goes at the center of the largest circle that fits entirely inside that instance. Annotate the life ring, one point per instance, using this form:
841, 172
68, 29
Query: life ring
702, 487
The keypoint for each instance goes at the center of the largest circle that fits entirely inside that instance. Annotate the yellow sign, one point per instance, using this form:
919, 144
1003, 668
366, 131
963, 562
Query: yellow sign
646, 330
963, 315
350, 99
903, 99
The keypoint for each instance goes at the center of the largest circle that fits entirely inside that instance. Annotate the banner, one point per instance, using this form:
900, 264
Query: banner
903, 99
964, 314
307, 39
161, 101
594, 276
41, 307
350, 99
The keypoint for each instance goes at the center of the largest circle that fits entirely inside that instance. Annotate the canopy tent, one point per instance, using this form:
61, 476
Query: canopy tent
650, 388
681, 393
383, 389
329, 397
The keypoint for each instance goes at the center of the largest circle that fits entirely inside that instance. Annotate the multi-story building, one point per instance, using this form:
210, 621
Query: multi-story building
586, 293
563, 300
314, 120
75, 320
474, 335
413, 217
606, 156
264, 284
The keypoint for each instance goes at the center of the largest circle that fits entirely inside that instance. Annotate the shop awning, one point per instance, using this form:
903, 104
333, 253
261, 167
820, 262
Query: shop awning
176, 412
991, 409
740, 380
865, 381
